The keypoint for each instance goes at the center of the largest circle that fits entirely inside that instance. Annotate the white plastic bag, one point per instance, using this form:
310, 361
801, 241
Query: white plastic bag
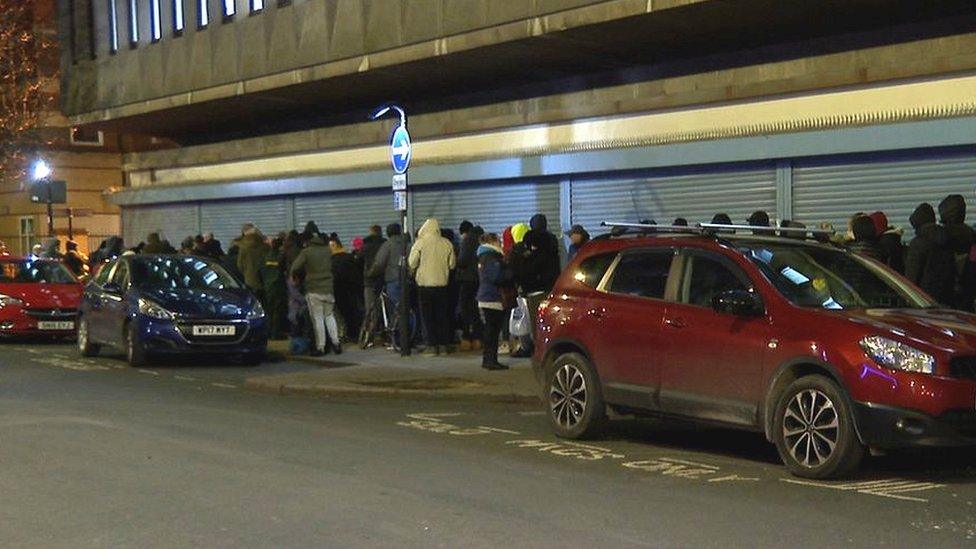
520, 323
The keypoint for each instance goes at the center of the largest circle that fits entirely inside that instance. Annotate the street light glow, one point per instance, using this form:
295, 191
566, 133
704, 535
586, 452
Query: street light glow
40, 170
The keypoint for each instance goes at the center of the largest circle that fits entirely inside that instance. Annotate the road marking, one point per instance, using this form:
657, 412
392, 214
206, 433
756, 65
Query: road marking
150, 372
185, 378
497, 430
225, 385
532, 413
888, 488
432, 416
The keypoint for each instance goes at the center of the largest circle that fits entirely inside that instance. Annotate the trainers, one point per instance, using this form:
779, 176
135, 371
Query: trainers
316, 353
337, 349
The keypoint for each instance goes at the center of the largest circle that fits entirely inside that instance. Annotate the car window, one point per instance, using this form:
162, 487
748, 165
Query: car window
35, 272
185, 272
591, 270
121, 275
642, 274
708, 277
104, 273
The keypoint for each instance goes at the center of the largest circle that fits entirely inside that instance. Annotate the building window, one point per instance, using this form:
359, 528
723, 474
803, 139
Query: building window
27, 235
133, 23
230, 8
85, 137
203, 11
178, 22
113, 27
155, 25
257, 6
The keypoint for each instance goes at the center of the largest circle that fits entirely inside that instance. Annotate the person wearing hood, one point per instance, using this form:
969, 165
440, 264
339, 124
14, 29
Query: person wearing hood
536, 267
929, 261
952, 212
431, 260
52, 249
493, 276
467, 275
154, 245
865, 241
315, 261
577, 238
889, 240
348, 281
252, 252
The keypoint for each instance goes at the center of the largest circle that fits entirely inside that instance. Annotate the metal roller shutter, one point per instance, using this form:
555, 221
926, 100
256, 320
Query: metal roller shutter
832, 192
173, 222
224, 218
492, 206
349, 214
696, 196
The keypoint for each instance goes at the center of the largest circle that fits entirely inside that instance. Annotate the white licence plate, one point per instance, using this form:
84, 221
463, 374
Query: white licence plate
213, 330
55, 325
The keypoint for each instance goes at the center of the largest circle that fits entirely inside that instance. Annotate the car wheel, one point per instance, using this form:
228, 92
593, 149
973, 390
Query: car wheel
85, 346
252, 359
574, 398
135, 353
814, 429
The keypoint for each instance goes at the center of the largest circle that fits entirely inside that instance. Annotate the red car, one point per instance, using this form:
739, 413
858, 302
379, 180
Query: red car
37, 297
824, 351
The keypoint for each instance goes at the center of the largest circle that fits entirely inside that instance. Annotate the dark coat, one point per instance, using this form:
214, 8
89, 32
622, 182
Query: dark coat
893, 249
154, 245
347, 276
865, 242
929, 261
467, 263
371, 246
539, 264
251, 255
952, 211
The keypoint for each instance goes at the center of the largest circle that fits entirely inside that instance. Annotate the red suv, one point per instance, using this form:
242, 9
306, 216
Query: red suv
826, 352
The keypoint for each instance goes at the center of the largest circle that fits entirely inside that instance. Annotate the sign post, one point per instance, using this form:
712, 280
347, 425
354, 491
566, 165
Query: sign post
400, 154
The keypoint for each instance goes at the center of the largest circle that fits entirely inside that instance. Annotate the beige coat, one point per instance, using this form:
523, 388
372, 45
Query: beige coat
432, 257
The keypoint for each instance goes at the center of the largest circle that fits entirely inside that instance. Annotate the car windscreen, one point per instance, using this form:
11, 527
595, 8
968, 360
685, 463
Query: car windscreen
826, 278
35, 272
180, 273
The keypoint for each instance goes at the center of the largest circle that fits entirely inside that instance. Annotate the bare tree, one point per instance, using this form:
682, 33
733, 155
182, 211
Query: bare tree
23, 47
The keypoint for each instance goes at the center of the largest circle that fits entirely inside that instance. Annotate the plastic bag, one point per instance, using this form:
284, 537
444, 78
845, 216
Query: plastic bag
520, 323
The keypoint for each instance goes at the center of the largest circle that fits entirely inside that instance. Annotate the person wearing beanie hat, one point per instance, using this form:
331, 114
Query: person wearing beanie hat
929, 262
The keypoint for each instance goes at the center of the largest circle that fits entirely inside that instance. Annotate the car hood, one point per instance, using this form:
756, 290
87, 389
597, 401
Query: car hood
939, 329
45, 296
202, 303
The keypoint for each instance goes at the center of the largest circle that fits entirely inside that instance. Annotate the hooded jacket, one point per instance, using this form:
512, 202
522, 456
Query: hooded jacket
929, 262
952, 211
432, 257
889, 240
347, 274
251, 255
467, 263
316, 261
371, 247
865, 241
536, 263
492, 275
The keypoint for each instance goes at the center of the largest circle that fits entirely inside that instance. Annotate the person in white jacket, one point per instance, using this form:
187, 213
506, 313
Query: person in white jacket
431, 260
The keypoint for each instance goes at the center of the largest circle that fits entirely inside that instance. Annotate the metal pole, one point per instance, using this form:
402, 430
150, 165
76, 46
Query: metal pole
404, 304
50, 210
71, 219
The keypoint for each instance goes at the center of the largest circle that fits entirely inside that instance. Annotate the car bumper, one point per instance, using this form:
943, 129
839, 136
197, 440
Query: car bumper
19, 323
884, 426
166, 337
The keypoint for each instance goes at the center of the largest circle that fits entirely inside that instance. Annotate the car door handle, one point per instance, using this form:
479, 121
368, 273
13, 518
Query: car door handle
674, 322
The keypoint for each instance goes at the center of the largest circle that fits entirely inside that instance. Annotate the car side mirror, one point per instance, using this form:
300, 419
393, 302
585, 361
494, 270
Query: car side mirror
738, 303
112, 288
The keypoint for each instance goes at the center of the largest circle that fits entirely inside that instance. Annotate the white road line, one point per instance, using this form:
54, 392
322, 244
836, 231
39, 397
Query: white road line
185, 378
497, 430
150, 372
531, 413
225, 385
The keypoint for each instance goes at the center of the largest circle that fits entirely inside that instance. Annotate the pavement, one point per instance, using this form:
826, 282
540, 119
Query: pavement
378, 372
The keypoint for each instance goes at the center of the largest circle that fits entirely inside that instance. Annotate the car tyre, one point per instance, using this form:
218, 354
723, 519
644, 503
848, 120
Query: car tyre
813, 429
85, 346
252, 359
135, 353
574, 399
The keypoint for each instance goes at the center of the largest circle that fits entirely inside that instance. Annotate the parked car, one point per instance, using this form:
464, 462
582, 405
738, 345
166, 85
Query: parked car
152, 305
37, 297
826, 352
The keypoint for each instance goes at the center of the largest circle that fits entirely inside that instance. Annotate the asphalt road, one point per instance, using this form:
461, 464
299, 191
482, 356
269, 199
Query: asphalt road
94, 454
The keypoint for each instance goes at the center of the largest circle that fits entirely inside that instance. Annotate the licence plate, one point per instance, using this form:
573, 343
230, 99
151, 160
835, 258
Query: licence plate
213, 330
55, 325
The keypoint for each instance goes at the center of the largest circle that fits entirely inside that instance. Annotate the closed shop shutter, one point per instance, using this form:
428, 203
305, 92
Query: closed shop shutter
224, 218
834, 191
173, 222
349, 214
696, 196
492, 206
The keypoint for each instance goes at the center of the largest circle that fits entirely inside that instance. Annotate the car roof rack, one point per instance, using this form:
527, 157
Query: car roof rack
711, 229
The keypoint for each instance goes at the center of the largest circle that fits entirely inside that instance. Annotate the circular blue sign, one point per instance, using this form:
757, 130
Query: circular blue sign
400, 149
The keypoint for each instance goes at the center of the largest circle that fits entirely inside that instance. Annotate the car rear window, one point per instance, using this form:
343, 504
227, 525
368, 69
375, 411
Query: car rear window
35, 272
642, 274
592, 269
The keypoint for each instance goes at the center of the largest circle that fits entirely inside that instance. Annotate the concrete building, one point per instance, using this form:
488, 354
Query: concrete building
89, 161
581, 109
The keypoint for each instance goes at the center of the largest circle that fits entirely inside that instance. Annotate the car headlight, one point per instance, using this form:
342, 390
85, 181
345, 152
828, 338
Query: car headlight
898, 356
256, 312
153, 310
7, 301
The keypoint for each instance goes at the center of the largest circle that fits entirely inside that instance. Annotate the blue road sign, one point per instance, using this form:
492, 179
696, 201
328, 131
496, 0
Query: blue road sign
400, 149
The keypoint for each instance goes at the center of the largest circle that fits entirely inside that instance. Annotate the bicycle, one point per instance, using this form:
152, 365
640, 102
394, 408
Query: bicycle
384, 319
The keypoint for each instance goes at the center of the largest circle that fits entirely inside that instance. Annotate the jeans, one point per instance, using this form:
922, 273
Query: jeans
493, 319
371, 293
394, 291
321, 308
470, 320
435, 312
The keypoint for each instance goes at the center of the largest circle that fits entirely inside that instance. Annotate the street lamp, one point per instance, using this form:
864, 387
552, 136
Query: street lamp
41, 174
40, 170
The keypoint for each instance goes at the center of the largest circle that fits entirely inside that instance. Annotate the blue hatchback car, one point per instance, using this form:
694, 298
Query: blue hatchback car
152, 305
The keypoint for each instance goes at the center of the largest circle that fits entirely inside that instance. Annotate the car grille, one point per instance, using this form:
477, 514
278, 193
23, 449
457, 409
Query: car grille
52, 314
963, 367
186, 330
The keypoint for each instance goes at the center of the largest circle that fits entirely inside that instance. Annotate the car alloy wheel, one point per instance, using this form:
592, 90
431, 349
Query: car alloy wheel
811, 428
567, 396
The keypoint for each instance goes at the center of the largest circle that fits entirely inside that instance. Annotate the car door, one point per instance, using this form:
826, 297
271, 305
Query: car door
114, 303
93, 308
629, 336
714, 359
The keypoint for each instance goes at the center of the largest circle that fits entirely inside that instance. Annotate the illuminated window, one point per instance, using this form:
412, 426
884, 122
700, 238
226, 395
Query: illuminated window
133, 23
178, 17
113, 27
203, 11
155, 25
257, 5
230, 8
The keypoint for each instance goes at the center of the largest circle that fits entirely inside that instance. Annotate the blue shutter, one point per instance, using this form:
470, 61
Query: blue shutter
173, 222
350, 214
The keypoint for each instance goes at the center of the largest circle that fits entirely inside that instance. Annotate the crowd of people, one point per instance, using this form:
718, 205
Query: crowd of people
464, 284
